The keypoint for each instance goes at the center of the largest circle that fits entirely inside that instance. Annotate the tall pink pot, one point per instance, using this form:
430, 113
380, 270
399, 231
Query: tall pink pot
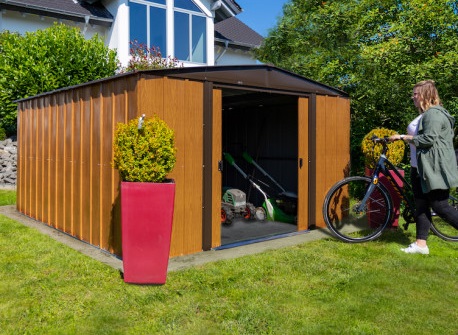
146, 221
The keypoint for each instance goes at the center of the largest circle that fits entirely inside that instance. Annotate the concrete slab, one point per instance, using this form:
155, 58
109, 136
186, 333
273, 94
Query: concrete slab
176, 263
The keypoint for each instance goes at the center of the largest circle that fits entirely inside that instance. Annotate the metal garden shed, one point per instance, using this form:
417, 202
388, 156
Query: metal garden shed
298, 128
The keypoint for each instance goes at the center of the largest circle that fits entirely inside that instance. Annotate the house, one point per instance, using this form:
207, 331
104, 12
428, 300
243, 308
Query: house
196, 32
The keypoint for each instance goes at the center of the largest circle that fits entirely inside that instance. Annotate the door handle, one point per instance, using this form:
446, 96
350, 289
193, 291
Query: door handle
220, 165
300, 163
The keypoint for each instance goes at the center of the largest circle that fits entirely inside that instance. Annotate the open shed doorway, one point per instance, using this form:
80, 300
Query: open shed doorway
263, 126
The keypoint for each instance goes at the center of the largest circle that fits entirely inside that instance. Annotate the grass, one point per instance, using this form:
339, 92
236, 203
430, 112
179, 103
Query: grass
321, 287
7, 197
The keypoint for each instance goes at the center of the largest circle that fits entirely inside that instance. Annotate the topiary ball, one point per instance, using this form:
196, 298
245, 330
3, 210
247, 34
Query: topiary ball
372, 151
147, 154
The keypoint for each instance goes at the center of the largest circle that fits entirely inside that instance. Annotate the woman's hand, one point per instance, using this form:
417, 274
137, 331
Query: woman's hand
397, 137
393, 138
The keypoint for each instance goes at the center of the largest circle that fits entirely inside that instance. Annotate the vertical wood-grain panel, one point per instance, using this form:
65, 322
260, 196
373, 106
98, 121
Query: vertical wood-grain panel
333, 145
217, 155
67, 203
53, 161
20, 164
96, 163
173, 115
193, 161
60, 163
106, 170
39, 158
85, 181
303, 166
46, 157
321, 132
33, 159
77, 177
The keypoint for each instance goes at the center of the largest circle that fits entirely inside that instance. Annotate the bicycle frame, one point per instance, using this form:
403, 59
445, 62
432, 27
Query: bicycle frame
386, 168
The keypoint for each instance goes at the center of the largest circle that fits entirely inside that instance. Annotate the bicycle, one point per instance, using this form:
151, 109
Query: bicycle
359, 209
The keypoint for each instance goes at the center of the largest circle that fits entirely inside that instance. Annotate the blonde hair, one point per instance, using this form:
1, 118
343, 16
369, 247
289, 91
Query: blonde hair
429, 96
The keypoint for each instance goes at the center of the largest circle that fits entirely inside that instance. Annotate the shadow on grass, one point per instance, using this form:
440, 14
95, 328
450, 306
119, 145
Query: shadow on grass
396, 235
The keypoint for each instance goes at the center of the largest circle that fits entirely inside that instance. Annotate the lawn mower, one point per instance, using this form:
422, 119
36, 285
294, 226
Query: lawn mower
273, 212
234, 205
286, 200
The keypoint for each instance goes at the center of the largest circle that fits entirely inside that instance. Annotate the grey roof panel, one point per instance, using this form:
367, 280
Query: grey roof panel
236, 32
65, 9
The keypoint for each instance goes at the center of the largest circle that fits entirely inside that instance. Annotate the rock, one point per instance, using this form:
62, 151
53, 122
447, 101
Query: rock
8, 163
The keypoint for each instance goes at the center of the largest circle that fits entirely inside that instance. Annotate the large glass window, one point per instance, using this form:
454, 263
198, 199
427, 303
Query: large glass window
158, 29
190, 32
199, 39
148, 25
182, 36
137, 26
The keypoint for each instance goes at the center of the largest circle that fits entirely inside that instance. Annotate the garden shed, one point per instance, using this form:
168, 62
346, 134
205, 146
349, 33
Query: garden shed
296, 128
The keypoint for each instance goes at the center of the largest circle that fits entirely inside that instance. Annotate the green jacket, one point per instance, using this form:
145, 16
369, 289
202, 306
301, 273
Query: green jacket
435, 153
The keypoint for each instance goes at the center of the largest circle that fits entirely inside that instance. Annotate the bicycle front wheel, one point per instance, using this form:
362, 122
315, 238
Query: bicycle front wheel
443, 229
350, 220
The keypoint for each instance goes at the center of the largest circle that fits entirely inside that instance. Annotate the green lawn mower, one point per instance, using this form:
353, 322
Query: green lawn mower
273, 212
286, 200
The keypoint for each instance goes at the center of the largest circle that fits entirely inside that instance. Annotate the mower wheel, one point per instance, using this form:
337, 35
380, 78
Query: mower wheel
260, 214
249, 213
226, 216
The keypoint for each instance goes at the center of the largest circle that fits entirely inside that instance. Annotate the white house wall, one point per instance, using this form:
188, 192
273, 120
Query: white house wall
117, 36
22, 23
231, 57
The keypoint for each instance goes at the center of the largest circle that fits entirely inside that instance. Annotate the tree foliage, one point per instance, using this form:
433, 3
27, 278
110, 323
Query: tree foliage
376, 50
46, 60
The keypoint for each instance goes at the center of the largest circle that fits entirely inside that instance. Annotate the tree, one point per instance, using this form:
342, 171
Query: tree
376, 50
47, 60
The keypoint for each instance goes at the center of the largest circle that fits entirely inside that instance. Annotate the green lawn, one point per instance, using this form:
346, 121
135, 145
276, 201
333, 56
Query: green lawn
321, 287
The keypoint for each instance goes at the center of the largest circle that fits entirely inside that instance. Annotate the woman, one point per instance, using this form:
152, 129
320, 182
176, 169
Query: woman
434, 168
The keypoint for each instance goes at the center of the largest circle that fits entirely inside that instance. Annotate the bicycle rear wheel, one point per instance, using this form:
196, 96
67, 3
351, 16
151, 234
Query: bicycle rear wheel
345, 221
443, 229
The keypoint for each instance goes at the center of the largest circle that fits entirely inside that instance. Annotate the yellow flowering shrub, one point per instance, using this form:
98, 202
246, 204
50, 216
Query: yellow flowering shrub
372, 151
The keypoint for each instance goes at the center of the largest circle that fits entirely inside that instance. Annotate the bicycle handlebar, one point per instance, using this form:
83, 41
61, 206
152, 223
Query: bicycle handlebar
383, 140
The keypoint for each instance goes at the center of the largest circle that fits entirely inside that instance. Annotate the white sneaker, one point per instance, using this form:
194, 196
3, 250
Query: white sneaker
415, 249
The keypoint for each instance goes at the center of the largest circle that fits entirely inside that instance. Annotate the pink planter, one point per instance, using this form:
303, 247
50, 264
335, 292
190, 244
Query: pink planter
147, 215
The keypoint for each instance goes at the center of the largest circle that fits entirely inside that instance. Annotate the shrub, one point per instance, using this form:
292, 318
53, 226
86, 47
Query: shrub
144, 58
146, 153
46, 60
372, 151
2, 134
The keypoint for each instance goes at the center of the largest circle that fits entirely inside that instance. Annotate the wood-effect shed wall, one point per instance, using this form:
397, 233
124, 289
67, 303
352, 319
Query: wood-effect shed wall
66, 178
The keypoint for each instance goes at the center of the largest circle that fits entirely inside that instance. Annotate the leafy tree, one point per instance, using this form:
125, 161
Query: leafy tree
46, 60
376, 50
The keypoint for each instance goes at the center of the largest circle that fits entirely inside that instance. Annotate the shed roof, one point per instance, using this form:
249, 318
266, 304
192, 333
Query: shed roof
260, 77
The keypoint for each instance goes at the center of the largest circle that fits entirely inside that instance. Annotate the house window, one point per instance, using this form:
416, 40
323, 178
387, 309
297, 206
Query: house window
148, 25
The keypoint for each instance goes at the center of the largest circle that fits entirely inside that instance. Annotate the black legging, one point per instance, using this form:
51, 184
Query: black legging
435, 199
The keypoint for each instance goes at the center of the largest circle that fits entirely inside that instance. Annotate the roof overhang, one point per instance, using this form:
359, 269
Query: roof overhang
265, 78
18, 6
227, 9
